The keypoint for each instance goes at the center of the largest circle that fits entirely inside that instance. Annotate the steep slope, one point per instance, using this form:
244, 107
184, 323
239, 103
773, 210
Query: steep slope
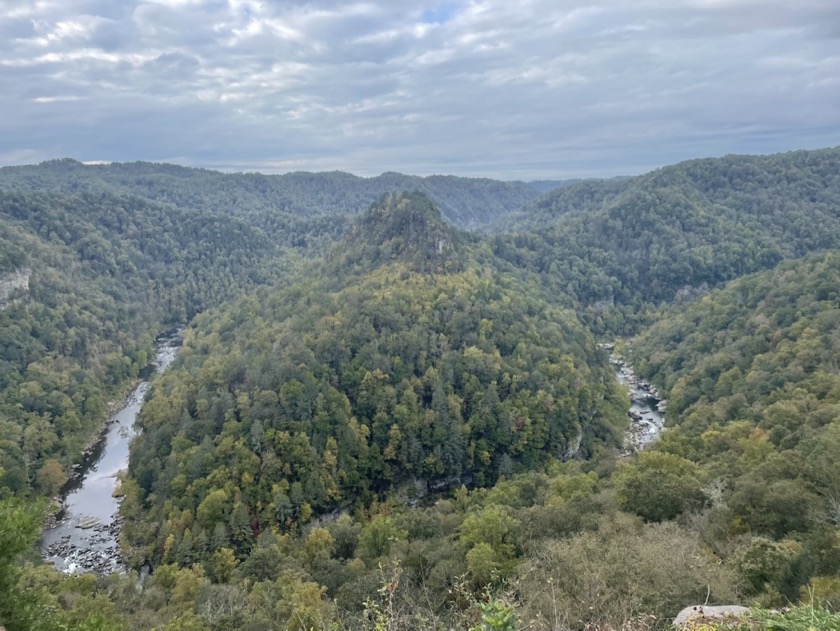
95, 260
404, 228
92, 278
65, 347
676, 231
416, 367
753, 385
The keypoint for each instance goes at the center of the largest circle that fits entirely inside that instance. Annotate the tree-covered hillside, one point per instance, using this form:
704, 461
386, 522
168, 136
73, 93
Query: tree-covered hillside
113, 254
426, 369
753, 385
266, 199
382, 422
668, 234
104, 274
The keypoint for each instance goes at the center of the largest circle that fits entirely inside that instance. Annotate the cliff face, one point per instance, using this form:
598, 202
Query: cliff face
12, 282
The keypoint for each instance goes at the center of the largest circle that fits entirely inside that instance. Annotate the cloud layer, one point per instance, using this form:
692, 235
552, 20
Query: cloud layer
535, 88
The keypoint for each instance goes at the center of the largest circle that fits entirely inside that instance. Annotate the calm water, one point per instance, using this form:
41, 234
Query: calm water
86, 537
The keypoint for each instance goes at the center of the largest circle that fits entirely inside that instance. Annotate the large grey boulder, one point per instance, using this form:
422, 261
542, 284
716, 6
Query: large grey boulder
708, 612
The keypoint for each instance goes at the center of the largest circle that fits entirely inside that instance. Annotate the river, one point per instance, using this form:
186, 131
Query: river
85, 537
647, 408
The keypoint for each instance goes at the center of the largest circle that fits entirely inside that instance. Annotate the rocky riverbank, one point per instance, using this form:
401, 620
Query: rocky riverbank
99, 554
83, 534
647, 407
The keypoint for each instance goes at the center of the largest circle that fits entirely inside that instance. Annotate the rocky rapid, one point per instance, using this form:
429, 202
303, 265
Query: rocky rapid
647, 407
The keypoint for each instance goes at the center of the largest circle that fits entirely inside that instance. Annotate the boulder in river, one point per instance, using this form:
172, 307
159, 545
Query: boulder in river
88, 522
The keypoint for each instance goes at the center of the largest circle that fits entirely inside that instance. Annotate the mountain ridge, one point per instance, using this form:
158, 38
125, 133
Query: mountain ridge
466, 202
344, 362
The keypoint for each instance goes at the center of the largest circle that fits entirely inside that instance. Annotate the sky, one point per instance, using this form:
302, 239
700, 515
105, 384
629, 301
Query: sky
510, 89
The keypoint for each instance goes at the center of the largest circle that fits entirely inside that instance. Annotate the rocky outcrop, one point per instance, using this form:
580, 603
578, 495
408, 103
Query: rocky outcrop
687, 293
691, 616
12, 283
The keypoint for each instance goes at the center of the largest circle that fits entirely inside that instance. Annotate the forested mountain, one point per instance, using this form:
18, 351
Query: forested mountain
275, 201
378, 421
104, 275
425, 369
675, 231
753, 382
544, 186
112, 254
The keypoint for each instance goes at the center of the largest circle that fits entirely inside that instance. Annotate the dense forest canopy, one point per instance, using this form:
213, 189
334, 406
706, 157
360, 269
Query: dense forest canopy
427, 368
330, 197
379, 421
754, 401
106, 273
668, 234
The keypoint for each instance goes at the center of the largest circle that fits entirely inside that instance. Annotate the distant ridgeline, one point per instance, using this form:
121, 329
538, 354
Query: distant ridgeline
398, 360
276, 202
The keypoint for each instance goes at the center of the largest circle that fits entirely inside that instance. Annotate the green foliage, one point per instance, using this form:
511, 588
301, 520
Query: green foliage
312, 428
753, 386
378, 536
765, 565
39, 599
18, 530
288, 603
335, 391
496, 614
621, 571
617, 246
658, 486
223, 563
824, 591
105, 274
489, 536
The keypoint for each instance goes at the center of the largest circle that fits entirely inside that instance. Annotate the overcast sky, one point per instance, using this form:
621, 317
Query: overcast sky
513, 89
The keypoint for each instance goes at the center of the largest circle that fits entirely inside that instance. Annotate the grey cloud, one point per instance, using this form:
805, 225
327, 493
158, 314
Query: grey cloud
172, 66
482, 87
16, 28
114, 35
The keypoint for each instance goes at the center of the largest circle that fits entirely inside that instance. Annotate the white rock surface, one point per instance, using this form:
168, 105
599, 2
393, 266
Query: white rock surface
11, 282
707, 612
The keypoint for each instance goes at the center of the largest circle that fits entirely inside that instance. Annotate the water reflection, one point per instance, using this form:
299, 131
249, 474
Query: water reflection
85, 538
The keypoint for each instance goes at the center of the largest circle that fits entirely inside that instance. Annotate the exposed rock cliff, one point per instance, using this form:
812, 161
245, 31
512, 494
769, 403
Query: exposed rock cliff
12, 283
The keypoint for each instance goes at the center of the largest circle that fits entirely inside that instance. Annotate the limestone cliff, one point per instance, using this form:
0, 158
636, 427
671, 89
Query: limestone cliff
12, 283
